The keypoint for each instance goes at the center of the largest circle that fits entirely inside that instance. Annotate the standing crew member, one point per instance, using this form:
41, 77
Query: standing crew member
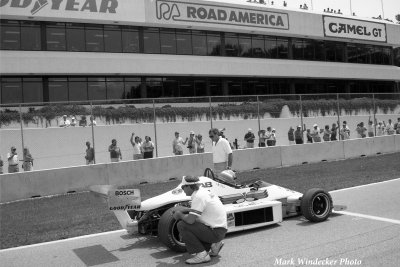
222, 152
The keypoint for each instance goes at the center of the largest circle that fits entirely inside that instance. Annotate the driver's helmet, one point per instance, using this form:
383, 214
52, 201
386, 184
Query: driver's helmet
227, 176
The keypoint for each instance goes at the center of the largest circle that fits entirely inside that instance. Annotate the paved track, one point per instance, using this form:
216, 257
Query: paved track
366, 234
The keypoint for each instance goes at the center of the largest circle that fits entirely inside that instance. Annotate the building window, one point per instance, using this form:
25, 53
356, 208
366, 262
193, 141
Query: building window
11, 90
298, 46
154, 87
199, 43
186, 87
283, 48
77, 89
258, 46
130, 40
30, 36
170, 88
115, 88
94, 38
213, 44
184, 42
245, 48
55, 37
271, 48
132, 88
58, 89
10, 35
97, 88
32, 90
231, 45
112, 39
75, 37
168, 41
151, 40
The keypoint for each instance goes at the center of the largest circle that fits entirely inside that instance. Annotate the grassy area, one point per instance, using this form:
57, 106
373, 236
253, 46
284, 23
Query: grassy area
46, 219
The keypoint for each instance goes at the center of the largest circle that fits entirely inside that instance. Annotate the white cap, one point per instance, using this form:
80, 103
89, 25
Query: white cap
315, 125
249, 130
184, 182
191, 132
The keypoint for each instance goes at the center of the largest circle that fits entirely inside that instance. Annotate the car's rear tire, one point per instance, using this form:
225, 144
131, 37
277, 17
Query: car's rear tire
316, 205
168, 232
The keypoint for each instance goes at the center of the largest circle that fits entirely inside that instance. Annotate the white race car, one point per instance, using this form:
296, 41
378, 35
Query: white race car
247, 206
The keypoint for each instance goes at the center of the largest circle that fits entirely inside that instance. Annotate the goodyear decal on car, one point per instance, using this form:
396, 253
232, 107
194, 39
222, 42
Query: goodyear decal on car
124, 199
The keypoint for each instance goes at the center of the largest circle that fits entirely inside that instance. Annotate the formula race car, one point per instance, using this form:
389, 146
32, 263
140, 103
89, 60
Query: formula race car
247, 206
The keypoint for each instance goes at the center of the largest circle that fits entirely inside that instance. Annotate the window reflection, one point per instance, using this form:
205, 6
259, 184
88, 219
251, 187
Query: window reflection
112, 39
151, 40
130, 40
199, 43
58, 89
56, 37
75, 37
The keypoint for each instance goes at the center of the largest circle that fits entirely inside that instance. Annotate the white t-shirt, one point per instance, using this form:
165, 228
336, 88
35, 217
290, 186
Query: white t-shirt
136, 149
13, 160
221, 150
209, 209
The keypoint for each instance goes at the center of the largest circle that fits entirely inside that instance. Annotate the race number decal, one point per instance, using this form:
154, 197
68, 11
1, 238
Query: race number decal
124, 199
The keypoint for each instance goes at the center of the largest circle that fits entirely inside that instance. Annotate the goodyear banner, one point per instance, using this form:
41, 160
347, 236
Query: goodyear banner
354, 29
61, 10
207, 13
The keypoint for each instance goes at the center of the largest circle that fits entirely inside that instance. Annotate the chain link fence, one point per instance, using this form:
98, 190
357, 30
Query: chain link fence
56, 134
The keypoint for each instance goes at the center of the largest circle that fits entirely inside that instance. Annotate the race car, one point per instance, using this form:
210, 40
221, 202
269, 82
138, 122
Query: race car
247, 206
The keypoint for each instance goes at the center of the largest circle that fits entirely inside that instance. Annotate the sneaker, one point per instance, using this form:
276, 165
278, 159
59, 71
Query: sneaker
216, 248
199, 258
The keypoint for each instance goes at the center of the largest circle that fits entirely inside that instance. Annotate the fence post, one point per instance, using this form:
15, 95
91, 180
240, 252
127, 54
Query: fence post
155, 127
22, 131
301, 117
91, 117
210, 113
258, 115
373, 102
338, 115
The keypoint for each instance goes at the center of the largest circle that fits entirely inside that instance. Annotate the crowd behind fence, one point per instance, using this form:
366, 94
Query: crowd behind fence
54, 135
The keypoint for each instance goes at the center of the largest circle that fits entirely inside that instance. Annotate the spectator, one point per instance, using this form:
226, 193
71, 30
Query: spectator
73, 121
273, 137
261, 137
305, 6
291, 136
284, 4
327, 134
137, 147
115, 152
390, 128
191, 143
13, 161
370, 128
1, 165
89, 154
83, 121
345, 131
92, 121
177, 144
200, 143
204, 225
309, 136
222, 152
27, 160
380, 129
65, 122
397, 126
361, 130
221, 132
249, 138
298, 135
315, 134
334, 129
268, 136
147, 147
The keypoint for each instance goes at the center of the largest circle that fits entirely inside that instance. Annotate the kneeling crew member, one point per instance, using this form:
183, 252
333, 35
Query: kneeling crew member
204, 225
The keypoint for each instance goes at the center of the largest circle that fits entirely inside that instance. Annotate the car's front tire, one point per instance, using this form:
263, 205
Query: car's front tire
168, 232
316, 205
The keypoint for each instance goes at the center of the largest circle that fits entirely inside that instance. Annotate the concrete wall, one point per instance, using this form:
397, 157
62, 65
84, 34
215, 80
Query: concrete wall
59, 181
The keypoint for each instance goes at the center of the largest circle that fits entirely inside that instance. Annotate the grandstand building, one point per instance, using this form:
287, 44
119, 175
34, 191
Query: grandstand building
74, 50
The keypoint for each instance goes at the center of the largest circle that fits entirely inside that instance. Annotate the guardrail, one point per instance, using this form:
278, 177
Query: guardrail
25, 185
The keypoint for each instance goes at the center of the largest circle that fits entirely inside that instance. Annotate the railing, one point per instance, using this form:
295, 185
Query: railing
39, 127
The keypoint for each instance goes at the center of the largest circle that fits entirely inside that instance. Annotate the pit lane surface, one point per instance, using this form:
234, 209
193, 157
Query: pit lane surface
366, 234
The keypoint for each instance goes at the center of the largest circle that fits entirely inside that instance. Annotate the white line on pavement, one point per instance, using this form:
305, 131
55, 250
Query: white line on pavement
365, 185
368, 216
